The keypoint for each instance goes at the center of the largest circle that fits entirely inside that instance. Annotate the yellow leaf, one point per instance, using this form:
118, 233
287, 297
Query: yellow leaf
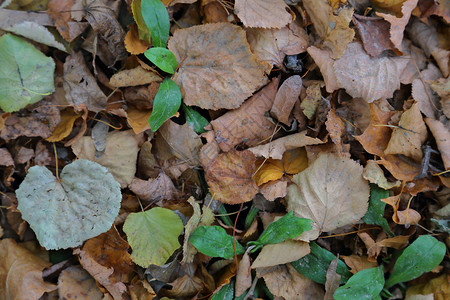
64, 127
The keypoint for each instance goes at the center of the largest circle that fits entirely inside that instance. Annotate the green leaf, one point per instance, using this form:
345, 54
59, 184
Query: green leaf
215, 242
195, 120
157, 20
163, 58
64, 213
287, 227
375, 212
166, 104
153, 235
225, 293
315, 265
423, 255
144, 32
26, 74
366, 284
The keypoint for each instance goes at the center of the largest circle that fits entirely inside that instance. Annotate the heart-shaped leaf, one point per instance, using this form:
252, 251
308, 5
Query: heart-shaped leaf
65, 212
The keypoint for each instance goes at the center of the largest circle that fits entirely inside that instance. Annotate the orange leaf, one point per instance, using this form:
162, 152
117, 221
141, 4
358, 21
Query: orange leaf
64, 127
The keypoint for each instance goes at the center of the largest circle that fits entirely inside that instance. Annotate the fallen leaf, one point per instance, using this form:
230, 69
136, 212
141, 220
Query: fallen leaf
66, 211
400, 168
274, 189
6, 158
75, 283
120, 154
133, 43
270, 46
336, 128
141, 289
333, 280
417, 61
229, 177
437, 288
284, 281
405, 217
275, 13
134, 77
331, 192
281, 253
276, 148
65, 126
441, 134
398, 24
59, 11
334, 30
323, 59
21, 272
287, 95
374, 174
374, 34
312, 100
80, 86
210, 150
138, 119
422, 92
358, 263
23, 154
154, 189
248, 123
442, 88
408, 137
243, 276
207, 78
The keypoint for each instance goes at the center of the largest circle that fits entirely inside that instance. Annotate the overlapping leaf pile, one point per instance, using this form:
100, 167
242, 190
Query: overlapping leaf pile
224, 149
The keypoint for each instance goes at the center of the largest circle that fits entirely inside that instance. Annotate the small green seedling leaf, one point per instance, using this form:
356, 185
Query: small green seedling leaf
215, 242
225, 293
157, 20
153, 235
144, 32
195, 120
423, 255
163, 58
64, 213
366, 284
166, 104
375, 212
26, 74
287, 227
315, 265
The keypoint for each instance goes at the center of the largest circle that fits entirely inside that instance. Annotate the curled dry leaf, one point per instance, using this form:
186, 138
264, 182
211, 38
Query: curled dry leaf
441, 134
285, 99
229, 177
422, 92
442, 88
6, 158
331, 192
218, 69
263, 13
64, 127
336, 128
358, 263
133, 43
248, 123
243, 276
374, 174
154, 189
134, 77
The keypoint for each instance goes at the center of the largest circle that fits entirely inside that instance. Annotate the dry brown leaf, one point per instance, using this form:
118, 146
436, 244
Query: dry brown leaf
436, 288
442, 88
59, 11
247, 124
398, 24
285, 281
325, 63
133, 43
214, 12
263, 13
407, 138
75, 283
416, 62
274, 189
134, 77
64, 127
358, 263
154, 189
312, 100
374, 174
218, 69
287, 95
210, 150
107, 259
80, 86
276, 148
270, 46
281, 253
332, 280
243, 276
334, 30
229, 177
6, 158
331, 192
29, 126
336, 129
120, 155
23, 154
400, 168
374, 33
368, 78
441, 134
21, 272
422, 92
138, 119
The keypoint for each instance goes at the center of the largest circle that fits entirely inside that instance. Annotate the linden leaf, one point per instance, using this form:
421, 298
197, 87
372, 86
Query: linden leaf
65, 212
274, 11
331, 192
153, 235
26, 75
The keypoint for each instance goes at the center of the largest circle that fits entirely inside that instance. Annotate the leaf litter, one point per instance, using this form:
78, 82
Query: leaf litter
196, 169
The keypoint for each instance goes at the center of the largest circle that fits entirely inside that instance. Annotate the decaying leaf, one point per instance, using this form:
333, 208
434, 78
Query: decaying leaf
374, 174
154, 189
229, 177
287, 95
422, 92
374, 34
281, 253
274, 11
218, 69
134, 77
76, 282
441, 134
331, 192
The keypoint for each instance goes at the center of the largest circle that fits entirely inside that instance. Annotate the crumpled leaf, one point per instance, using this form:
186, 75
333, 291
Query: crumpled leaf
65, 126
67, 211
153, 235
312, 100
331, 192
275, 13
218, 69
21, 272
334, 30
120, 154
26, 74
229, 177
154, 189
80, 86
75, 282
